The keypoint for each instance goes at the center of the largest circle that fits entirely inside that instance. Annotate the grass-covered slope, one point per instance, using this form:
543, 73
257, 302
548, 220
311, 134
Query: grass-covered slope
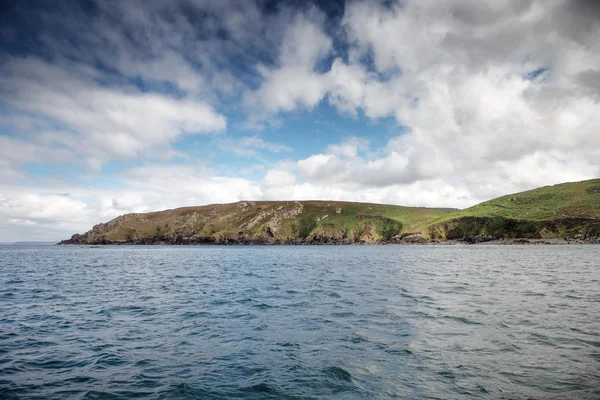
569, 210
263, 222
567, 200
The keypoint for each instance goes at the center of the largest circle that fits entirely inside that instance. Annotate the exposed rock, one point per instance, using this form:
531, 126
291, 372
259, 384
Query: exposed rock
413, 238
477, 239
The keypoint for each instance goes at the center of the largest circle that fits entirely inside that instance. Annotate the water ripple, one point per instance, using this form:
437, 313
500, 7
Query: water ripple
300, 322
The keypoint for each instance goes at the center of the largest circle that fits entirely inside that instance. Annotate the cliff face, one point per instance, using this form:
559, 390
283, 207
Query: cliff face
291, 222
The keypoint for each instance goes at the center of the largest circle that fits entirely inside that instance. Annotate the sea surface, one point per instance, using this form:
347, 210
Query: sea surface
305, 322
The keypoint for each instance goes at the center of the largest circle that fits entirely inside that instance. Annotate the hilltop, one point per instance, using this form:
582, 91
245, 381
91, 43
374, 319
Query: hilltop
570, 210
567, 210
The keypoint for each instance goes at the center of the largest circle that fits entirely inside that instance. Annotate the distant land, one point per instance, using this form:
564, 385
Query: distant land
564, 213
29, 243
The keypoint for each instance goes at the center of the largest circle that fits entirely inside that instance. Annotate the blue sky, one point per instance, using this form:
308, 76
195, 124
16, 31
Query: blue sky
111, 107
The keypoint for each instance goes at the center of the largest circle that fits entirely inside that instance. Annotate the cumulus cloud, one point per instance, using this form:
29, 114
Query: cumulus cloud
294, 82
485, 89
394, 168
101, 121
29, 215
167, 186
35, 209
57, 215
488, 97
277, 178
118, 80
350, 147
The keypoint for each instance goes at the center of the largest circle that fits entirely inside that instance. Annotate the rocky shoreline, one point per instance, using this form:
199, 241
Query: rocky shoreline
406, 240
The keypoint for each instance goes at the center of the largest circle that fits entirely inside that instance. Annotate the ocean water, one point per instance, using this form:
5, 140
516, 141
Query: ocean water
306, 322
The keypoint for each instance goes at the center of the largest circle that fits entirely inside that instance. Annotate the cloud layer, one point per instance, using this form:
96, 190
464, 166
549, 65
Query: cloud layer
486, 98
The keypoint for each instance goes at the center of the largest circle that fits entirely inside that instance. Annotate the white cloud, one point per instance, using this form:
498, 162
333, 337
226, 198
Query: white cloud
350, 147
77, 208
459, 75
33, 209
168, 186
101, 122
275, 178
294, 83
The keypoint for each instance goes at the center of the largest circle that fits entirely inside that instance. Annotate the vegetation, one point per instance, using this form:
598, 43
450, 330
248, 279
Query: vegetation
567, 210
567, 200
388, 228
305, 227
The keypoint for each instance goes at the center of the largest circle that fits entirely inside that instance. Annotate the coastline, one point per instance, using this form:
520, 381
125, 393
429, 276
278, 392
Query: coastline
334, 242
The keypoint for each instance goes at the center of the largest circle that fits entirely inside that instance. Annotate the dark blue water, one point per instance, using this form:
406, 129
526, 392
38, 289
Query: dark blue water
300, 322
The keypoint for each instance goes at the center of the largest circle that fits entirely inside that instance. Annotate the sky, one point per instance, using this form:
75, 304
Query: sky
111, 107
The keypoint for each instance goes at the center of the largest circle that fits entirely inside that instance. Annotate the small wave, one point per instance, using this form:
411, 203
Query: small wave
106, 360
263, 388
345, 314
358, 338
57, 364
338, 373
534, 294
118, 394
593, 343
421, 314
264, 306
79, 379
402, 352
288, 344
195, 314
462, 320
218, 303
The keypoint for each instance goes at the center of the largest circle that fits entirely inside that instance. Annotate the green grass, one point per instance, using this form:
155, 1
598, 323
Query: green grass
567, 200
549, 211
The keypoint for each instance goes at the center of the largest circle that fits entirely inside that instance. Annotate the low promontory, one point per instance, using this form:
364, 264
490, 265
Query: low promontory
565, 213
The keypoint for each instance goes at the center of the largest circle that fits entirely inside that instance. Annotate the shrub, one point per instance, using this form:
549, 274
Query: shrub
388, 228
305, 226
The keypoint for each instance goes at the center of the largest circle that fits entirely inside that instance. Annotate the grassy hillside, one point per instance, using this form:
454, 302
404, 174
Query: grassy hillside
564, 210
567, 200
569, 210
258, 222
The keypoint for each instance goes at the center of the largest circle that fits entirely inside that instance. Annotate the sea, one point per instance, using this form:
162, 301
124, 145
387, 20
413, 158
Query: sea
300, 322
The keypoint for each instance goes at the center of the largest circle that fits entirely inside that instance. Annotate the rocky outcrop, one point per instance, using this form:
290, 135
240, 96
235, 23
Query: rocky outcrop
475, 230
97, 234
414, 238
274, 217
